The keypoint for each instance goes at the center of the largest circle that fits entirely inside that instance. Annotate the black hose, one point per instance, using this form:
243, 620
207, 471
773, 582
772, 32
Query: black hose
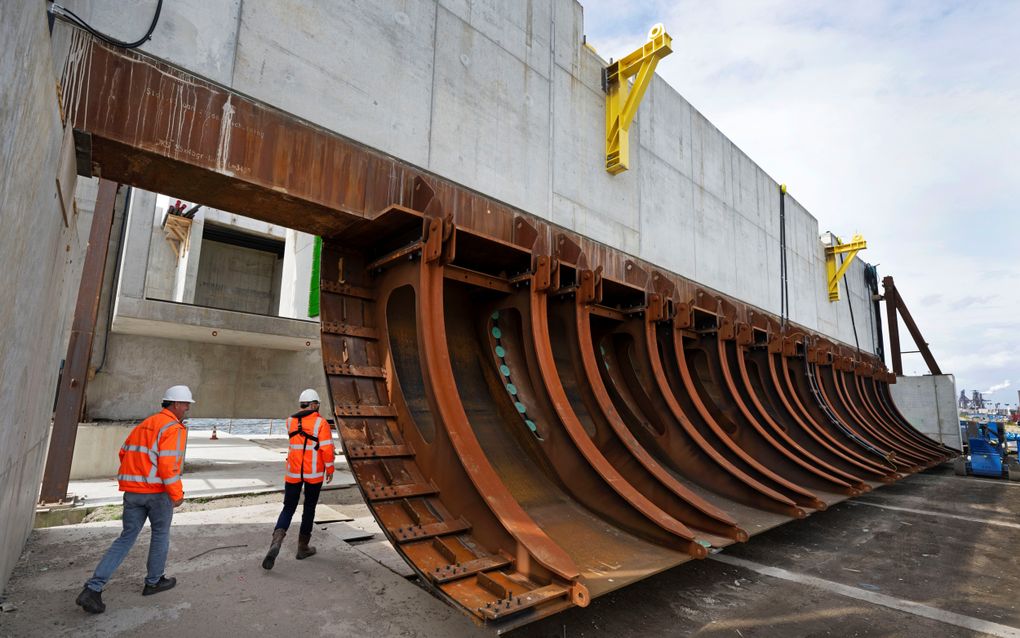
850, 304
73, 17
784, 290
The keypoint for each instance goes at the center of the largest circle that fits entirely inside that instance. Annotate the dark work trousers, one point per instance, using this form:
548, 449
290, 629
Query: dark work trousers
291, 495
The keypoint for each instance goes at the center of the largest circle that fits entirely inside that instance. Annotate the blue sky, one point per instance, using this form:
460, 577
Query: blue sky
898, 120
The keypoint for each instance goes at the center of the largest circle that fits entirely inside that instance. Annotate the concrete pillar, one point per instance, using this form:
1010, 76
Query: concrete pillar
296, 278
929, 403
187, 265
136, 245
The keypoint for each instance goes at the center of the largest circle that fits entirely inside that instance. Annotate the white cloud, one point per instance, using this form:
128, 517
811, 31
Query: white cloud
997, 387
897, 120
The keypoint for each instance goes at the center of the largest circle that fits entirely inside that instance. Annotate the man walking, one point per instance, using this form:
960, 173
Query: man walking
151, 460
309, 460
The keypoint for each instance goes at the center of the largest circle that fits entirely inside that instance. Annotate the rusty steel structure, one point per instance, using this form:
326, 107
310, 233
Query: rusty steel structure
534, 419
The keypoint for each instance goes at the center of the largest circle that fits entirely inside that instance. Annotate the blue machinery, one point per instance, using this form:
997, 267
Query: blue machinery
987, 451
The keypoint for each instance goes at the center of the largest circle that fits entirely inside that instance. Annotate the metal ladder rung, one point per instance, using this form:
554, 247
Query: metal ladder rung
515, 604
456, 571
365, 372
348, 330
390, 492
378, 451
365, 410
347, 290
422, 532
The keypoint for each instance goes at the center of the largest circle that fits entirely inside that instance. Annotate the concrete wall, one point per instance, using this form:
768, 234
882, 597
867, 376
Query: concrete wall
227, 380
95, 449
153, 343
40, 258
503, 98
929, 403
237, 278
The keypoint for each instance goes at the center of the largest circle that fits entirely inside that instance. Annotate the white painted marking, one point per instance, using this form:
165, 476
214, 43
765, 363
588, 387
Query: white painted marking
983, 521
908, 606
970, 479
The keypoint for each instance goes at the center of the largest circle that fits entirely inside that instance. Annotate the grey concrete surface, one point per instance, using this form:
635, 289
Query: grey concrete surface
505, 99
911, 563
227, 466
228, 381
338, 592
40, 262
929, 403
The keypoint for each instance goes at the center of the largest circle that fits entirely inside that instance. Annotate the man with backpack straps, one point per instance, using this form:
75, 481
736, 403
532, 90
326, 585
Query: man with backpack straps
309, 463
151, 461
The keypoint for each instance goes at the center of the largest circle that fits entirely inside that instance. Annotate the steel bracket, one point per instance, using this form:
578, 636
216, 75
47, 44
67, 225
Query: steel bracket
850, 249
589, 286
621, 103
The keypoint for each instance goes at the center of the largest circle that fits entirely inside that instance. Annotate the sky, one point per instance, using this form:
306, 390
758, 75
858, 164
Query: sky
897, 120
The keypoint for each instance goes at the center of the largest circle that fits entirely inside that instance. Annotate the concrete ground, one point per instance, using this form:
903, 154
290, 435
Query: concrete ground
232, 464
934, 555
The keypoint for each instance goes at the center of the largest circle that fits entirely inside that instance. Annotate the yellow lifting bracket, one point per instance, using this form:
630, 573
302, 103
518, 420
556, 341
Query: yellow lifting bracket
850, 249
621, 104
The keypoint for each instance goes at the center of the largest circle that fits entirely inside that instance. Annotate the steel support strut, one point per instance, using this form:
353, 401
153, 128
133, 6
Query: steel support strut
71, 395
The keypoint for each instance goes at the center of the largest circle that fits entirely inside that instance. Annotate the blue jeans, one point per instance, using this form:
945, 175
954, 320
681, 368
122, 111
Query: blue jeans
291, 494
137, 507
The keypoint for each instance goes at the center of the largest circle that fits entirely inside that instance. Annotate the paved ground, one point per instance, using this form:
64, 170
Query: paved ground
935, 555
230, 465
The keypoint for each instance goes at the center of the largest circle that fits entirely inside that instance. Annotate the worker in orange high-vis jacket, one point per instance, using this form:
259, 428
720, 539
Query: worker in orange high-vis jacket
151, 460
309, 463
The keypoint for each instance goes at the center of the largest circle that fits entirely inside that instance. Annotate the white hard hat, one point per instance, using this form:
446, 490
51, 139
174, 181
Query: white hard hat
180, 393
308, 396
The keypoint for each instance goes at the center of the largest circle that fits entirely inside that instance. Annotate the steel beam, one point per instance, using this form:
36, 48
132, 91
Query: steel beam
71, 394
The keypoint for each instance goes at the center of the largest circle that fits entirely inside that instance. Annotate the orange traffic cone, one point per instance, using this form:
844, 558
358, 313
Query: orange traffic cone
214, 437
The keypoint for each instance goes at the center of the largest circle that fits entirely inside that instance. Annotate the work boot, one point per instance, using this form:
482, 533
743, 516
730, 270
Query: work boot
274, 548
303, 550
163, 585
91, 601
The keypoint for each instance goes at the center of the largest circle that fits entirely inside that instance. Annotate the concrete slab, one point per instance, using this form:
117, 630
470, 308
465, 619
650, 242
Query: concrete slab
338, 592
230, 465
853, 570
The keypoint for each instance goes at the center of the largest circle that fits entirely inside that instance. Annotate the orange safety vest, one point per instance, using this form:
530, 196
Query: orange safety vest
311, 454
152, 456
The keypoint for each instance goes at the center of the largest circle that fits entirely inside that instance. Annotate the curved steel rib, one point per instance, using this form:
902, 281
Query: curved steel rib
612, 436
694, 387
795, 373
832, 395
782, 432
840, 448
861, 410
571, 454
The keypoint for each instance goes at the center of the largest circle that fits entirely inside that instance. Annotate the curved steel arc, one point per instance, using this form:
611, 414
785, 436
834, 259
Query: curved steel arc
534, 544
633, 510
887, 408
940, 451
791, 461
795, 374
854, 389
824, 403
784, 433
616, 441
832, 396
694, 387
886, 402
857, 406
840, 449
637, 390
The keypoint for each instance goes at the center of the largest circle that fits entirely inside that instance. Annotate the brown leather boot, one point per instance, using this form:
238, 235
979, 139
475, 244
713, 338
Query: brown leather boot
303, 550
274, 548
